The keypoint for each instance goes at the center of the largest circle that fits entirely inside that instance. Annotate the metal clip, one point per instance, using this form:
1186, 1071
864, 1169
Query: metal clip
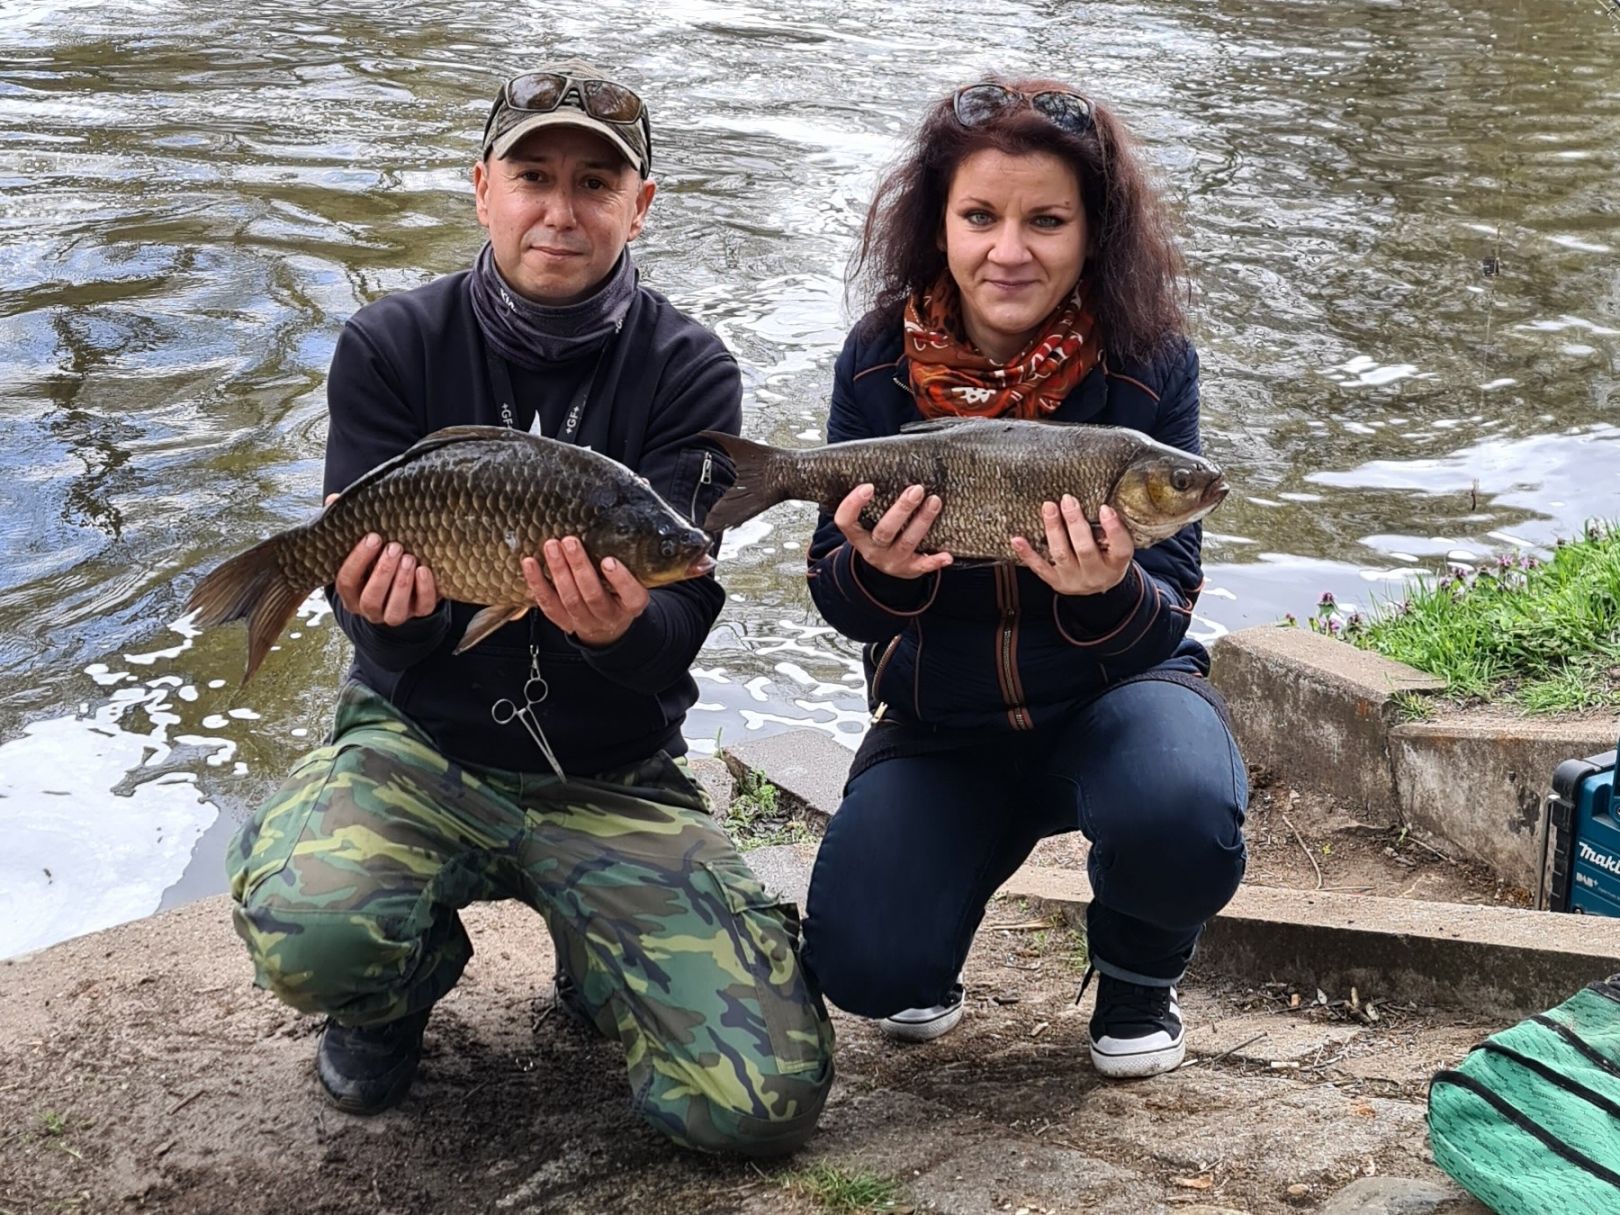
535, 689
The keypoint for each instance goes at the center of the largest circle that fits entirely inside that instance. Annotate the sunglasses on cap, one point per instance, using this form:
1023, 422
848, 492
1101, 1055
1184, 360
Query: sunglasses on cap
542, 92
978, 104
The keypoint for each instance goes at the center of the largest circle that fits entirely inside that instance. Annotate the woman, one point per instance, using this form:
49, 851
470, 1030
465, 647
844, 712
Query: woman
1022, 268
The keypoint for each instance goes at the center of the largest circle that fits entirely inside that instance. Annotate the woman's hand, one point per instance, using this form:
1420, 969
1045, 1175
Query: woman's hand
891, 546
384, 585
1079, 565
596, 608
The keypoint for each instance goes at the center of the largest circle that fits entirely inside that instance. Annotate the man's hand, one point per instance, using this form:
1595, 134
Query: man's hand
891, 546
1079, 564
575, 598
384, 585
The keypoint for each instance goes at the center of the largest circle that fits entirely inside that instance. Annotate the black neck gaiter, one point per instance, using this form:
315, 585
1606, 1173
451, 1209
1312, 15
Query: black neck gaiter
533, 335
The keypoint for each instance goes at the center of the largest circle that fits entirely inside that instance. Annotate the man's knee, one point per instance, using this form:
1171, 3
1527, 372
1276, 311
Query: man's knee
343, 964
761, 1116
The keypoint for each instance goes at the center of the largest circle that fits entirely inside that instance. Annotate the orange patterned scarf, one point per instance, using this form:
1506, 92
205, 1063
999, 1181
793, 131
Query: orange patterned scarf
949, 377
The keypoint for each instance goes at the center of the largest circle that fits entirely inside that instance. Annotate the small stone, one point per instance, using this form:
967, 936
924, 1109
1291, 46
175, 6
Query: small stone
1398, 1196
1298, 1191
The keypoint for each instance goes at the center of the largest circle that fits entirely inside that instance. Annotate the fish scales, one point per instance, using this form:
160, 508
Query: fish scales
988, 492
992, 476
469, 503
469, 512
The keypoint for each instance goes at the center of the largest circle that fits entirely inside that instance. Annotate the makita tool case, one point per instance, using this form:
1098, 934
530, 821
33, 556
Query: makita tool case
1580, 868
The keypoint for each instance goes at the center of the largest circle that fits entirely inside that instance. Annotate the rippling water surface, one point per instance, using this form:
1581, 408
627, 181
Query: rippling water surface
194, 196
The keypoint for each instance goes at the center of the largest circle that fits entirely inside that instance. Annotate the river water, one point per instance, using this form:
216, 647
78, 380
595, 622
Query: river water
194, 196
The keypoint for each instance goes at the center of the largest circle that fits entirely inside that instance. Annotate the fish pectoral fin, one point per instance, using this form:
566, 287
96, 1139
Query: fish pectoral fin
488, 620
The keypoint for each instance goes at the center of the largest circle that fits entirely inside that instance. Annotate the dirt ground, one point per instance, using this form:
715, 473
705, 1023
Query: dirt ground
142, 1072
1303, 841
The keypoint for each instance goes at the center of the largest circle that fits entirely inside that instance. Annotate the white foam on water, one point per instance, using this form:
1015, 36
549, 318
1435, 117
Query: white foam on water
79, 857
816, 686
187, 635
743, 536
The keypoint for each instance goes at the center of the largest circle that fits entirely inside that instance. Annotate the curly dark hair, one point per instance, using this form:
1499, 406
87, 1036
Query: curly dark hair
1135, 264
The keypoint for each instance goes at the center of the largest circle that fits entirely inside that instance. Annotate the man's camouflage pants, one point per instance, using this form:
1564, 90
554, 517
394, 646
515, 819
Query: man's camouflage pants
348, 880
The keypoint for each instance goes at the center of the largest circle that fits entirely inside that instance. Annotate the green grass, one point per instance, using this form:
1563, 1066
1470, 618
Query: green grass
756, 819
845, 1191
1543, 635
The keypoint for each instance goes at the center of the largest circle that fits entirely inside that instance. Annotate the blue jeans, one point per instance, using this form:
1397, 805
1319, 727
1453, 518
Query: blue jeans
1148, 771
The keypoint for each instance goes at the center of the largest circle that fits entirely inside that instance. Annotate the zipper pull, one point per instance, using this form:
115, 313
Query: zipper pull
883, 707
707, 475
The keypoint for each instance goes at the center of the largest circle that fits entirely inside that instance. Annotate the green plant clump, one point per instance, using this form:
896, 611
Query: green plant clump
755, 818
845, 1191
1542, 634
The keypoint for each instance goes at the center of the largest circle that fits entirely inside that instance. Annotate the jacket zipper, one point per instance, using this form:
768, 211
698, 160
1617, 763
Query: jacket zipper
877, 677
1006, 650
706, 477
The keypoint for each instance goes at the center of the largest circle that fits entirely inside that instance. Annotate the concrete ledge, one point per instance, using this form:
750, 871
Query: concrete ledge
1321, 715
806, 766
1315, 711
1497, 962
1481, 785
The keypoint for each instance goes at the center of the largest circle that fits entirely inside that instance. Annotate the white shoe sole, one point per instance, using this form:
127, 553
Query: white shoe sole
1143, 1063
921, 1031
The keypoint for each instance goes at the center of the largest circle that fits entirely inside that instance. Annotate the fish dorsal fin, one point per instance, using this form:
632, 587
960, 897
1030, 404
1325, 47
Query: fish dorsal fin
441, 438
936, 425
949, 425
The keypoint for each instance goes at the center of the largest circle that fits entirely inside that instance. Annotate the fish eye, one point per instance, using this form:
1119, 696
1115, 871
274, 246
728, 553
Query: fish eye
667, 548
1181, 479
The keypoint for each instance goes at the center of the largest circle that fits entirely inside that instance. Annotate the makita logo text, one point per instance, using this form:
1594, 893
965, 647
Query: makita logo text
1601, 860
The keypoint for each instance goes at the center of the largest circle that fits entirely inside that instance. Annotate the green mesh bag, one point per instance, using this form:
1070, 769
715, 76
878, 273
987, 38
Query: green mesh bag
1530, 1123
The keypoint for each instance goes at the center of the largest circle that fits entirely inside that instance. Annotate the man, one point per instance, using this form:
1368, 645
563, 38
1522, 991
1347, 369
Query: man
443, 782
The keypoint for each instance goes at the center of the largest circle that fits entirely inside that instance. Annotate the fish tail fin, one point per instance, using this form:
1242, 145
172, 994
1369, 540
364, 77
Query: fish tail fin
756, 489
249, 586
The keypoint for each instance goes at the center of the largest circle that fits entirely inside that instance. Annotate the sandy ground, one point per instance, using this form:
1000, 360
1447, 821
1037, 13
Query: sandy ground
142, 1072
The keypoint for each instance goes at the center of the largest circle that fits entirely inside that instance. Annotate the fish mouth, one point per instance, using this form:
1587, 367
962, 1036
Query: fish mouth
701, 565
1216, 493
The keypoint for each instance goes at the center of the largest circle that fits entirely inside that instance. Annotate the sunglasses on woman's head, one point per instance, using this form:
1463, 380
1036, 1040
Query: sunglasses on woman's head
978, 104
542, 92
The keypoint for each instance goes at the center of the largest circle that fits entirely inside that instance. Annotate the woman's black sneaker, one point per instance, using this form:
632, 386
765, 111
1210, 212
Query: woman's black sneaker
1135, 1030
366, 1069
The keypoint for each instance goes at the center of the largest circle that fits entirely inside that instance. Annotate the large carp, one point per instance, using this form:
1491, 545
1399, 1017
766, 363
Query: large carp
469, 502
991, 475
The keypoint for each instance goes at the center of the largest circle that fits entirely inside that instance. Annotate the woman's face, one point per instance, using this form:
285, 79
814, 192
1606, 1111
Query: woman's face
1015, 240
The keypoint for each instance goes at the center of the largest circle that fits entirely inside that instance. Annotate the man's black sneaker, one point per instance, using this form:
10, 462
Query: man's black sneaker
366, 1069
1135, 1030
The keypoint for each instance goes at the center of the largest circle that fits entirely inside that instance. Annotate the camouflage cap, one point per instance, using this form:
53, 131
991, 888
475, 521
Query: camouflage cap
570, 93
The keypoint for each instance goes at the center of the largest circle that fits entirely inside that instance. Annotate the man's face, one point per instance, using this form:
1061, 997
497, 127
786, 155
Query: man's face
559, 209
